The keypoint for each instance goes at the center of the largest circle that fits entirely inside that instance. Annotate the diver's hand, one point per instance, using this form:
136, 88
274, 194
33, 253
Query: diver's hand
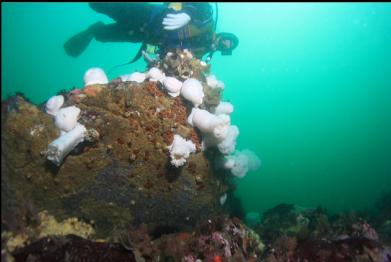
175, 21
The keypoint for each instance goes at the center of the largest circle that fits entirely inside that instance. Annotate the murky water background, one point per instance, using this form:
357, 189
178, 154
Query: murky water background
310, 84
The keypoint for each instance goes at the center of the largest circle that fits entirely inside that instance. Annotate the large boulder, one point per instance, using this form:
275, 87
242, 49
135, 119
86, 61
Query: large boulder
123, 177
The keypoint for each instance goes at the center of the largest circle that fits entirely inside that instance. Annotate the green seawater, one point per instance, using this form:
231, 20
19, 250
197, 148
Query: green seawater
310, 82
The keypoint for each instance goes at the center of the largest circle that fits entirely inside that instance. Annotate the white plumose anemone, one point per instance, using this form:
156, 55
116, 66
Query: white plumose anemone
228, 145
202, 119
95, 76
210, 123
180, 150
212, 82
229, 163
134, 77
172, 85
242, 162
223, 108
155, 74
192, 91
190, 117
54, 104
62, 146
66, 118
221, 125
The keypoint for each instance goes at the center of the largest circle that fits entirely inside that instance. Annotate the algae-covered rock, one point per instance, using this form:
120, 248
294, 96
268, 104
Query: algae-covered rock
217, 239
122, 176
73, 248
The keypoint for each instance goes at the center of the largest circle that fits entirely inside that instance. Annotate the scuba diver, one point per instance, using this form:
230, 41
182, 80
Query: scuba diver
159, 27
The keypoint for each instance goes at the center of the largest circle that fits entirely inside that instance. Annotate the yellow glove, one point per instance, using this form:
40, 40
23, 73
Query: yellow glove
151, 49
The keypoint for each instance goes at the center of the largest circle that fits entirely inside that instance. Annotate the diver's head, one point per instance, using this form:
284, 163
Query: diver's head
226, 42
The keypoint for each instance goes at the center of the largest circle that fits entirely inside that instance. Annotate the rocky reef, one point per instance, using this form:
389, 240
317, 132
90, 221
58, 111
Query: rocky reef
291, 233
216, 239
122, 175
116, 155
